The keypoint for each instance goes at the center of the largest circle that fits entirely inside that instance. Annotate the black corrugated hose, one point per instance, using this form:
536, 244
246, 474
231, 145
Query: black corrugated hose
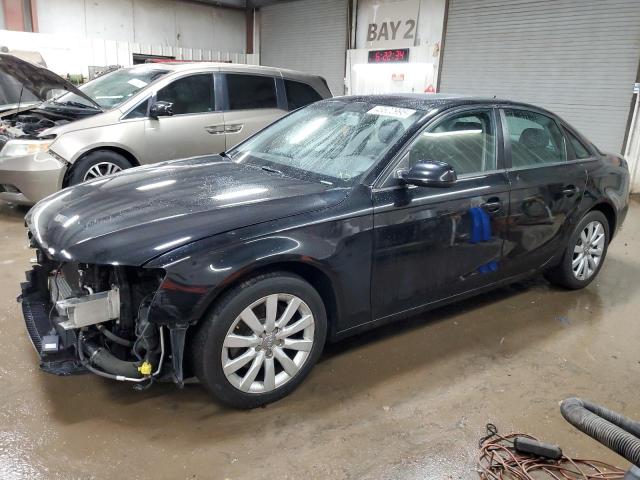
611, 429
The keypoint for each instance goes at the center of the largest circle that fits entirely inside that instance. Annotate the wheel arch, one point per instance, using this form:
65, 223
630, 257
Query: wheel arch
314, 275
112, 148
610, 213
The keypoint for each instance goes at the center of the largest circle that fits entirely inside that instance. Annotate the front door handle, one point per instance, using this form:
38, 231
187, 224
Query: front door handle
493, 205
215, 129
233, 128
569, 190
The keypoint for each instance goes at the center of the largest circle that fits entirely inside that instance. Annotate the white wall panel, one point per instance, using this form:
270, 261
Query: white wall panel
74, 53
150, 22
194, 24
109, 19
229, 30
155, 21
61, 16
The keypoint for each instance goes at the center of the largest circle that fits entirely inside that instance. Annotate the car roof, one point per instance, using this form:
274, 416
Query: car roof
204, 66
432, 101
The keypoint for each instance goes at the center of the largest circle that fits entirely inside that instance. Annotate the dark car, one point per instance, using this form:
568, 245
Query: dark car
343, 215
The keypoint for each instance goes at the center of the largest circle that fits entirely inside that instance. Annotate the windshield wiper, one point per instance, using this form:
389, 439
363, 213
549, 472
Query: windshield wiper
71, 103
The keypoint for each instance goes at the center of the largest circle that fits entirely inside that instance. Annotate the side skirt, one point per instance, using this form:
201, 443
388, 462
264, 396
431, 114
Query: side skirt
433, 305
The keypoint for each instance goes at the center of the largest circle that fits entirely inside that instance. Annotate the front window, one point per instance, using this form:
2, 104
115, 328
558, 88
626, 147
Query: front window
466, 141
333, 141
191, 94
112, 89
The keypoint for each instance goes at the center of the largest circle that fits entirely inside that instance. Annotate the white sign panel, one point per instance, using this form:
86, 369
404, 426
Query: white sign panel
387, 23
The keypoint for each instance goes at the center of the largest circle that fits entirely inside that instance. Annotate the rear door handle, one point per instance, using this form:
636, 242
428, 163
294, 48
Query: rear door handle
493, 205
215, 129
569, 190
233, 128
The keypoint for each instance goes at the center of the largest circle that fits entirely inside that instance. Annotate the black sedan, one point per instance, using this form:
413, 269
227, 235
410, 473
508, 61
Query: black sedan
346, 214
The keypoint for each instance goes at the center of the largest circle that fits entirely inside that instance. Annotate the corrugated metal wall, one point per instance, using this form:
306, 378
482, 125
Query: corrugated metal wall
175, 23
578, 58
306, 35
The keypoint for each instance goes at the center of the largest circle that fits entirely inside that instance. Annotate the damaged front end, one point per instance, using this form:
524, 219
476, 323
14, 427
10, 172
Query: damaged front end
28, 92
83, 317
29, 125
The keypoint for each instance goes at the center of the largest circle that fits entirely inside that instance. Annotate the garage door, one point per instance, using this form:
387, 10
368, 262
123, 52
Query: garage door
306, 35
577, 58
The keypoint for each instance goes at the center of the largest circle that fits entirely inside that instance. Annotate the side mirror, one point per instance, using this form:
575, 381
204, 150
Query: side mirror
161, 109
429, 173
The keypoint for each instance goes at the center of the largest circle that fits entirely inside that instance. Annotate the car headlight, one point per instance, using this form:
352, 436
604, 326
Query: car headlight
20, 148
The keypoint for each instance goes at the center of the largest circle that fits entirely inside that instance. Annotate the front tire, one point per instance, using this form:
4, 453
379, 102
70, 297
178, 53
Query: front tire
96, 164
260, 340
585, 253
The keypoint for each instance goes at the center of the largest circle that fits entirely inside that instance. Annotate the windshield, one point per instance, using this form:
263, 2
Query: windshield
114, 88
333, 140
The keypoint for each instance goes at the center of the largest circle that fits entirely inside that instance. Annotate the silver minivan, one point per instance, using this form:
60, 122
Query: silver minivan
135, 116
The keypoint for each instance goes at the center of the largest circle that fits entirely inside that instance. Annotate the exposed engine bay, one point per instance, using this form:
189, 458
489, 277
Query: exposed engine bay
29, 124
94, 317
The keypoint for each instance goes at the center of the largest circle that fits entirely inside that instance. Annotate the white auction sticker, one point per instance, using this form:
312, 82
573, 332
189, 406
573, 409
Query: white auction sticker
136, 82
391, 111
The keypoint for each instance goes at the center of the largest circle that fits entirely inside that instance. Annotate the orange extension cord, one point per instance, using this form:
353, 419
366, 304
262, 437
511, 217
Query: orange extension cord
498, 460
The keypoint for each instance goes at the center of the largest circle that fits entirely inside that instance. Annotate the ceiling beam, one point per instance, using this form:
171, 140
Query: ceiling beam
241, 3
225, 3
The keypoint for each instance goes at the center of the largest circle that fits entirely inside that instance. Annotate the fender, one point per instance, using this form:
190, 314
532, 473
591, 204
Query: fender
607, 188
338, 247
74, 144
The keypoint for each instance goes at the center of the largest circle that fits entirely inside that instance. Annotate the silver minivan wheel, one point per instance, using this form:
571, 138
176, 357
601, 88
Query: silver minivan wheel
268, 343
588, 251
101, 169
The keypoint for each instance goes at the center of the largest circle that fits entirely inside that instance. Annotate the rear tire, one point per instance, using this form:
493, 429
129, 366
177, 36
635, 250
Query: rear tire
238, 328
97, 164
585, 253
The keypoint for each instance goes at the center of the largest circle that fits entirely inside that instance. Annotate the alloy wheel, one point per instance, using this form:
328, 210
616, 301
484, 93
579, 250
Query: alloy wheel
268, 343
101, 169
588, 250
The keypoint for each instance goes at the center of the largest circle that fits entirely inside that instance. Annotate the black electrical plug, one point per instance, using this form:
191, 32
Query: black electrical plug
533, 447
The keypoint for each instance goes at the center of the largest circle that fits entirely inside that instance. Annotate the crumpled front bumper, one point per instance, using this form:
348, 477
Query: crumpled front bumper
59, 357
28, 179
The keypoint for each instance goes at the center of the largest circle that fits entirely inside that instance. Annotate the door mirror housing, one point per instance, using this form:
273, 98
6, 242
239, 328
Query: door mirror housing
161, 109
429, 173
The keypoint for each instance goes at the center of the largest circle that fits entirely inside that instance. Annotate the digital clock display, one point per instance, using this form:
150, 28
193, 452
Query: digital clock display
394, 55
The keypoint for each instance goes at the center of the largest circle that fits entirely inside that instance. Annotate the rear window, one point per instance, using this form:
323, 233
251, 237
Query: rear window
579, 150
300, 94
251, 91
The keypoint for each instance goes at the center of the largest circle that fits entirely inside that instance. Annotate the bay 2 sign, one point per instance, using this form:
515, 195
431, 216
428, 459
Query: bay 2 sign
391, 31
387, 23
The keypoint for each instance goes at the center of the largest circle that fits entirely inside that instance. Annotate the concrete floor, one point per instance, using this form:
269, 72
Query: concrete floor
406, 401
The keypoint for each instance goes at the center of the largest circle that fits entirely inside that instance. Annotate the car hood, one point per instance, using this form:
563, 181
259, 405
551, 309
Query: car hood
134, 216
16, 74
